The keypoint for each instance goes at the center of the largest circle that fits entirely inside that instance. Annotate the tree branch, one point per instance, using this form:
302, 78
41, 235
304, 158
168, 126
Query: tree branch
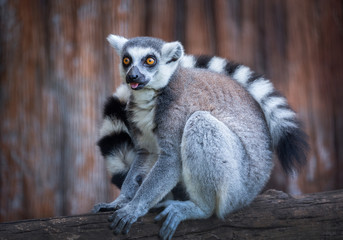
273, 215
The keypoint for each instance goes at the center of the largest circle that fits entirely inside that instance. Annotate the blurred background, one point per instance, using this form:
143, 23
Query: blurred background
56, 70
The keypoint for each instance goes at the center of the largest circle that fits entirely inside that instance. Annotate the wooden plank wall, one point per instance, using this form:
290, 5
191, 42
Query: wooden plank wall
56, 70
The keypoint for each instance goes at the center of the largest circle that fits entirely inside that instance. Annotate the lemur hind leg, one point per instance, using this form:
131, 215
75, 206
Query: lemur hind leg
211, 160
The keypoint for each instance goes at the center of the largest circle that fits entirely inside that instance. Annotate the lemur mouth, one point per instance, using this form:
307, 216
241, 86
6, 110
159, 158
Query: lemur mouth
137, 86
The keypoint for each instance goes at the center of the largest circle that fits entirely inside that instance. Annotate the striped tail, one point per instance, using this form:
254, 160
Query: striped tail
115, 142
289, 139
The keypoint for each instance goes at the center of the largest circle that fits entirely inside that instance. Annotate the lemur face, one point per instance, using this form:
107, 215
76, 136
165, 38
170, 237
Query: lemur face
146, 63
140, 65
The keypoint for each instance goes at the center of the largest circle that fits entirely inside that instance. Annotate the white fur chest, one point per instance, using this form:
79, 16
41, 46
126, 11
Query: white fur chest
143, 114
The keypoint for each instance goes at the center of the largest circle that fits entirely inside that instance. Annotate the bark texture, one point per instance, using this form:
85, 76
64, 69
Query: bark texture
273, 215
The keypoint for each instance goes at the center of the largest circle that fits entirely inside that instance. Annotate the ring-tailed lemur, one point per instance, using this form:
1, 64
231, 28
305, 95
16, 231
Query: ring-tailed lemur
202, 124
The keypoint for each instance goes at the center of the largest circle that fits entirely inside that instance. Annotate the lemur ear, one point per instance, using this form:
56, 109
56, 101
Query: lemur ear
117, 42
172, 51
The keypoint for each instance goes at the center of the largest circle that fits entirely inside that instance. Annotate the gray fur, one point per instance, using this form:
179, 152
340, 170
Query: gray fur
197, 127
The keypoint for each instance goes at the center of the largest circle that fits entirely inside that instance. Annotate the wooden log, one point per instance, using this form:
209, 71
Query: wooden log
273, 215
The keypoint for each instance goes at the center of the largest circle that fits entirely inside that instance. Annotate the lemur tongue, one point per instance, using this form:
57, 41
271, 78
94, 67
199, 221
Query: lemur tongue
134, 85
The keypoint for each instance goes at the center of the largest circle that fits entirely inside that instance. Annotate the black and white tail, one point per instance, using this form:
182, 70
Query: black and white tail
289, 140
115, 142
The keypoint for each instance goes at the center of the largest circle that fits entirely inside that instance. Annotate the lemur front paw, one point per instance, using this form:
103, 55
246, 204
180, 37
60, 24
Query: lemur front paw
103, 207
119, 203
122, 219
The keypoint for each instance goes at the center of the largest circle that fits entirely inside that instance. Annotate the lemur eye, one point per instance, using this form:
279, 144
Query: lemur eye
150, 61
126, 61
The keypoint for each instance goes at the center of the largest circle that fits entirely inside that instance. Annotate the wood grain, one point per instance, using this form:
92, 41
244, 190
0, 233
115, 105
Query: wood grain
273, 215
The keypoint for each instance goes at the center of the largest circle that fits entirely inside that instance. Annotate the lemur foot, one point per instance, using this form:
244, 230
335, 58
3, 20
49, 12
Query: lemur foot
173, 216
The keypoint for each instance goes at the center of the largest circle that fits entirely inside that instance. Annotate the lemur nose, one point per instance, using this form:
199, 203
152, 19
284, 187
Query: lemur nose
133, 74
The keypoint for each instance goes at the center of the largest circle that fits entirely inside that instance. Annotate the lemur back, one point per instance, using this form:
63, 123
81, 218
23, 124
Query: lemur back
201, 128
198, 89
